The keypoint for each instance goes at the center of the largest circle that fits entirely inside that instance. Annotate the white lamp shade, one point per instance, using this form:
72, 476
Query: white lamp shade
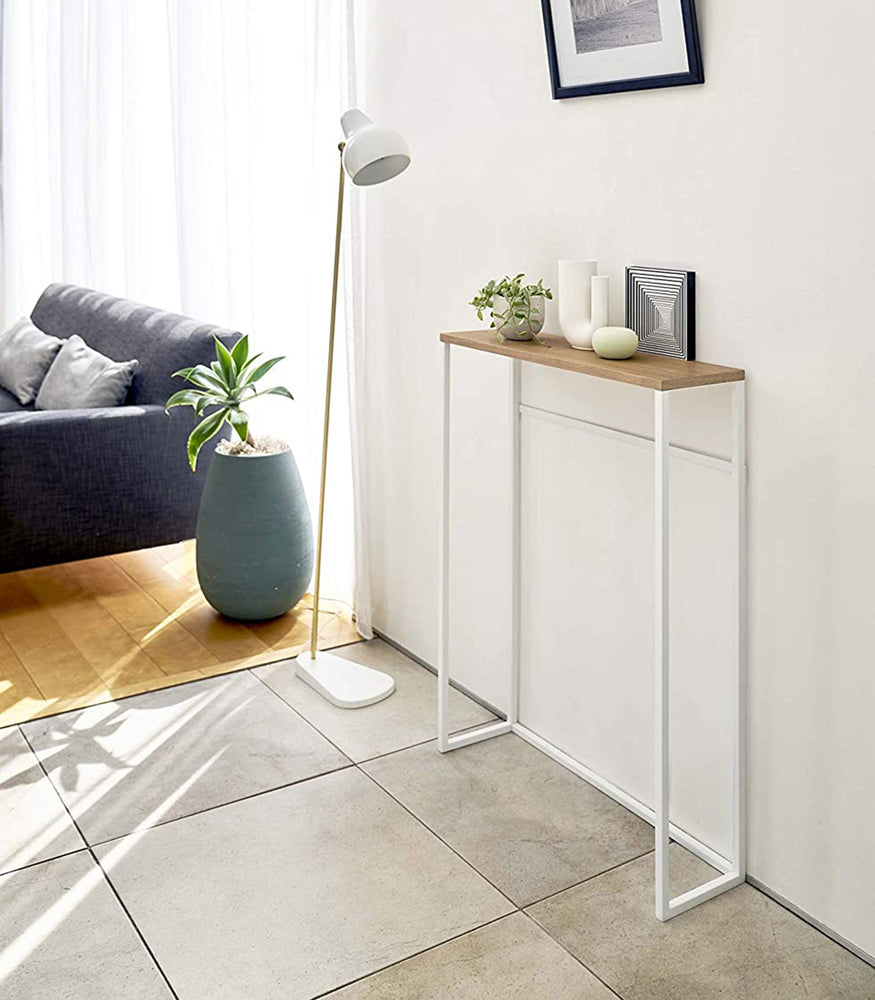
372, 154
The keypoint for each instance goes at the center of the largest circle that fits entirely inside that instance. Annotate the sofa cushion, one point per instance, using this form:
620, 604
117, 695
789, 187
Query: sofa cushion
162, 341
26, 354
81, 378
10, 404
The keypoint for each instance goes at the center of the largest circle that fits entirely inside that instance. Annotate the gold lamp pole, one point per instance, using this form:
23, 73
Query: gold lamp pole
314, 632
370, 155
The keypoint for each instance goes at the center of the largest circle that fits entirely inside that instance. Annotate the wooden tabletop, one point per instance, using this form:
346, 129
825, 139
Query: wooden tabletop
652, 371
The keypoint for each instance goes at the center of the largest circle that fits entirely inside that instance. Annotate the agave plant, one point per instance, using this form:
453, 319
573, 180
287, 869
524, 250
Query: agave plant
229, 382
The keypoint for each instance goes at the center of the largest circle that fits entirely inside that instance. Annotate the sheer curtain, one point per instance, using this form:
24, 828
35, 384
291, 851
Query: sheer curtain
184, 154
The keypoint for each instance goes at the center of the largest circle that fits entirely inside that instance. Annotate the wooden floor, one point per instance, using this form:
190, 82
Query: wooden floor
85, 632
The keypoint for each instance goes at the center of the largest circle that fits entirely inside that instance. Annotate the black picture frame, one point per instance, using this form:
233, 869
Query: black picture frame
695, 74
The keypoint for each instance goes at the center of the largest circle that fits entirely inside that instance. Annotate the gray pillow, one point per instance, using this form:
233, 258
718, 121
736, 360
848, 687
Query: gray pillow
80, 378
26, 354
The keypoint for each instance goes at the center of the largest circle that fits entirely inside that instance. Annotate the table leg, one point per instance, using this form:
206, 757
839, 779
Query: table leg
513, 702
662, 635
444, 568
739, 761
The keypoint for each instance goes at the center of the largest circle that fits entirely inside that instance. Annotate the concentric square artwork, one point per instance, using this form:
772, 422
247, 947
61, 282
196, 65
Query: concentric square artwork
661, 309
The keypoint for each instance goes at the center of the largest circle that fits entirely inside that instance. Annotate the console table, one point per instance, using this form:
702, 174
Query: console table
663, 377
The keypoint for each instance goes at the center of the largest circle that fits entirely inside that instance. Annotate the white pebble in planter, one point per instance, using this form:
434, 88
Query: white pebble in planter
616, 343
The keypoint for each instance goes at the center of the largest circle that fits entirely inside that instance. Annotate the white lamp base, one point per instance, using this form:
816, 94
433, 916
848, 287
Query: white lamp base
343, 682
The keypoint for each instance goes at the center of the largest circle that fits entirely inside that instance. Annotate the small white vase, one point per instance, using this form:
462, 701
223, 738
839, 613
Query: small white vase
601, 302
519, 329
576, 302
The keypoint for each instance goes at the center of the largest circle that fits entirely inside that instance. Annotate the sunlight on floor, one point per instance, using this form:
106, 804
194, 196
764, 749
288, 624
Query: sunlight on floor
47, 923
82, 633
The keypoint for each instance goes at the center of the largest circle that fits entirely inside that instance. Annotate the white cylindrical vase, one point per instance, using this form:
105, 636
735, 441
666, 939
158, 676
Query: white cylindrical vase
601, 302
575, 301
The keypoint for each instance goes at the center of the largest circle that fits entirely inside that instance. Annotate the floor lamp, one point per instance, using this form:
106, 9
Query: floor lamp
370, 155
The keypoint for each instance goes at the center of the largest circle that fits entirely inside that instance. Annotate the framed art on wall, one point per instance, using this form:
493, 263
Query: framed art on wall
661, 309
607, 46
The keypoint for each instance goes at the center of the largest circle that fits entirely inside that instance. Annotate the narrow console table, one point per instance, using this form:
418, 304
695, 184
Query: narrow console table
664, 377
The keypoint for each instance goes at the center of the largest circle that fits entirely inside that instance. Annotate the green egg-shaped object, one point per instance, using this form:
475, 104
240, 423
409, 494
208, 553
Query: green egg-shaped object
615, 343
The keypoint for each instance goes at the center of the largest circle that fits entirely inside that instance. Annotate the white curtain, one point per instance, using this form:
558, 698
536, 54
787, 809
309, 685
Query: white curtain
183, 153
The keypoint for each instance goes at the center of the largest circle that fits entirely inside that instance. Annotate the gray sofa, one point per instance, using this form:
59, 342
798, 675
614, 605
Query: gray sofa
81, 483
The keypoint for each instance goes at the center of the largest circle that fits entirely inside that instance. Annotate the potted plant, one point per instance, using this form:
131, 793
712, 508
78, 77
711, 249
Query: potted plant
254, 535
517, 309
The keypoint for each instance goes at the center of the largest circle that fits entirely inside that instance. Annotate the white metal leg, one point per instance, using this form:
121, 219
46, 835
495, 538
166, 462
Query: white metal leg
739, 755
666, 907
490, 729
662, 631
444, 568
513, 703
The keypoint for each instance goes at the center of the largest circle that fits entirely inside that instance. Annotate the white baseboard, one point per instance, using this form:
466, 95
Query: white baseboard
815, 923
433, 670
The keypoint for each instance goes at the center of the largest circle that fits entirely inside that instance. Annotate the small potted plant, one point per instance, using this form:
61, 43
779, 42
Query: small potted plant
254, 534
517, 309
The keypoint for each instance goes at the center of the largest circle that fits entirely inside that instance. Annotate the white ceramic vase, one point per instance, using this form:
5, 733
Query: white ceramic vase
583, 301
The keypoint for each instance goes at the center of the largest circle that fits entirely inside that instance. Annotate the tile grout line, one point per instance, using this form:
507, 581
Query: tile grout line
370, 778
35, 864
356, 765
589, 878
105, 874
220, 805
579, 961
409, 958
439, 838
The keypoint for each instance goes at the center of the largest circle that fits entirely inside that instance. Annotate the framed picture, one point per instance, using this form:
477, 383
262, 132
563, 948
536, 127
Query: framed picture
661, 309
606, 46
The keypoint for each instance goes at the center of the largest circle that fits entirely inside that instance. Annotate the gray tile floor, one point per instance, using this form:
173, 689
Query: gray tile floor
239, 837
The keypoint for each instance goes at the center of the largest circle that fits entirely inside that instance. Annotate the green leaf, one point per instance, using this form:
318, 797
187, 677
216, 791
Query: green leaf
240, 422
219, 373
201, 376
202, 433
240, 352
223, 356
185, 397
277, 390
261, 371
249, 363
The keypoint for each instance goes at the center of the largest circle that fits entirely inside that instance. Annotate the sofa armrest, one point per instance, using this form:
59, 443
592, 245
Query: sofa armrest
82, 483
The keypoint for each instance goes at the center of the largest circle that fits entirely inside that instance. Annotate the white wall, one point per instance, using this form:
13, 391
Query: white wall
761, 182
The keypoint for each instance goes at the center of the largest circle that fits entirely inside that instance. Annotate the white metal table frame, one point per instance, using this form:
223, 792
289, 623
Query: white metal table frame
732, 871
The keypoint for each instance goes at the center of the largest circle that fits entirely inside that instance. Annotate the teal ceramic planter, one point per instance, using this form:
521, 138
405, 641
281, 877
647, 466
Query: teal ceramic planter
254, 536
